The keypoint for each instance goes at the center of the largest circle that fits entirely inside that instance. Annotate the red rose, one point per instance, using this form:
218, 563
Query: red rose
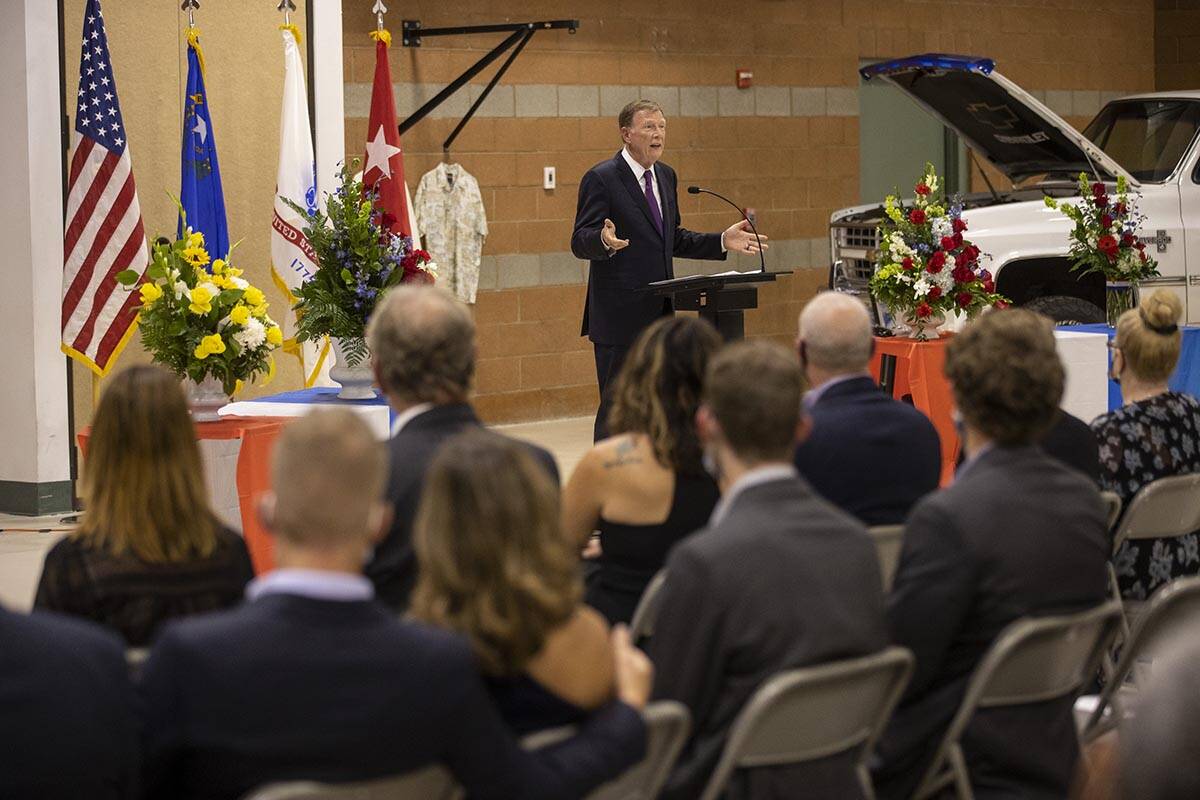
962, 274
1108, 245
936, 261
989, 285
1119, 209
958, 240
948, 243
907, 263
924, 310
963, 299
1106, 222
922, 189
1098, 189
1126, 240
916, 216
1140, 245
1101, 202
935, 293
999, 305
959, 225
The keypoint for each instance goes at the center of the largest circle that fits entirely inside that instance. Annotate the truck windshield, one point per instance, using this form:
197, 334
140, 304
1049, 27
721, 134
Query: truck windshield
1146, 137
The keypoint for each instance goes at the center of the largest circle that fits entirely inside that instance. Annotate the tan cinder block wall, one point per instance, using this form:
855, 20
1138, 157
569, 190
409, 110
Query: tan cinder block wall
788, 147
1177, 44
244, 82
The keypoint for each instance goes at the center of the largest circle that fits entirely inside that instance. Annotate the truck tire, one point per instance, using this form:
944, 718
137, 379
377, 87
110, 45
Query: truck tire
1067, 310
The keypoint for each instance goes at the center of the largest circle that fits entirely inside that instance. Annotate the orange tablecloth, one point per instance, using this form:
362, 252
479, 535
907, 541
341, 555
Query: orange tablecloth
257, 436
919, 373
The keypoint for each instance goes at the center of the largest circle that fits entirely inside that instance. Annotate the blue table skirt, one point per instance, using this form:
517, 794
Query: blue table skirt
1186, 377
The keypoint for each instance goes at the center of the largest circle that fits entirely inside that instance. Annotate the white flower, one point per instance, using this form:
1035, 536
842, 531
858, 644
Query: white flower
431, 268
252, 336
951, 263
942, 227
944, 279
181, 290
209, 287
921, 287
240, 283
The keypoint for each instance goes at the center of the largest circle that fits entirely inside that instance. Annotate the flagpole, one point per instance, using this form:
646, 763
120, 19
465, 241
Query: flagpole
190, 6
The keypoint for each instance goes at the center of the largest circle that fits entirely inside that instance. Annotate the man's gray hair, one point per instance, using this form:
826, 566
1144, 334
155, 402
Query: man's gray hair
422, 344
836, 331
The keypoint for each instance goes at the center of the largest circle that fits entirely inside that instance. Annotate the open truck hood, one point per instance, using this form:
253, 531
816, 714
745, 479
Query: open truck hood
999, 120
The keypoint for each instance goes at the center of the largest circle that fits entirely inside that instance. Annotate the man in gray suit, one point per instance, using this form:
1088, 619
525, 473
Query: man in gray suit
779, 579
1017, 534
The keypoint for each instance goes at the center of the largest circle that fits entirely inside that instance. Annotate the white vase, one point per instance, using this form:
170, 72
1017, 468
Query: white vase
920, 328
357, 381
205, 398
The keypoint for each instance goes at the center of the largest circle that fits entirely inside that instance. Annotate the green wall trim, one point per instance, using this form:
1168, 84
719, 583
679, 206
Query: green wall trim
35, 499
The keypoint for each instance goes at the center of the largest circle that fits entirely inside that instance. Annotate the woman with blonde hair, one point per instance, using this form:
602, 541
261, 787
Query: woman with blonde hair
1156, 433
645, 487
492, 565
148, 548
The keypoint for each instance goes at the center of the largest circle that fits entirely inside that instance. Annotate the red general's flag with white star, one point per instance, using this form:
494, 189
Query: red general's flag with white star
384, 164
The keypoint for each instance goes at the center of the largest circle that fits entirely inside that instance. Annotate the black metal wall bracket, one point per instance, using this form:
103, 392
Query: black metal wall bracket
519, 35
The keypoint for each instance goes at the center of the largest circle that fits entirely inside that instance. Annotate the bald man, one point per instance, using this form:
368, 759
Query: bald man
868, 454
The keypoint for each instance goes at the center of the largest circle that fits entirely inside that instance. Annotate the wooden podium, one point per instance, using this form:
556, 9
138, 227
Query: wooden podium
721, 299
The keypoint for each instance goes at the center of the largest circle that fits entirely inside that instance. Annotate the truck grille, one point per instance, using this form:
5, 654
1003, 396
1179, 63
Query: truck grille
858, 236
855, 246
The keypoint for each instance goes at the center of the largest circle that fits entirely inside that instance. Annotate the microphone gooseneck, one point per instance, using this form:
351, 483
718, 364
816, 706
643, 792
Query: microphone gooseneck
698, 190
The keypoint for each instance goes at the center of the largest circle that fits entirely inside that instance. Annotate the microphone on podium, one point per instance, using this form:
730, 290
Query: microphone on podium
697, 190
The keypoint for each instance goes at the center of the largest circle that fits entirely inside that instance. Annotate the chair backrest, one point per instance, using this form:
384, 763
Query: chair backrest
814, 712
1162, 509
888, 541
430, 783
646, 614
668, 725
1171, 610
1112, 507
1032, 660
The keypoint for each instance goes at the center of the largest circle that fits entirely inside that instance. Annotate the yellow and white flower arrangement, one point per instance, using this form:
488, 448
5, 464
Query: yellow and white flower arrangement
201, 318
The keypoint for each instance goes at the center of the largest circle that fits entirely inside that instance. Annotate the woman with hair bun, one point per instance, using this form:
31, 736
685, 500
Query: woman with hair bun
1155, 434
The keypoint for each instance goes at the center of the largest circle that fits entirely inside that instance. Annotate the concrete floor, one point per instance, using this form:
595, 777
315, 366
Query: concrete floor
25, 540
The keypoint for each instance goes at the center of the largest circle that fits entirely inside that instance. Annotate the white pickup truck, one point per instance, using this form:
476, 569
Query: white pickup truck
1150, 139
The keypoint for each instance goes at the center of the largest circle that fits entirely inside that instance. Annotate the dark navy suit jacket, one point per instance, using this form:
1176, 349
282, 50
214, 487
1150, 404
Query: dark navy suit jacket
68, 720
872, 456
393, 567
292, 688
616, 311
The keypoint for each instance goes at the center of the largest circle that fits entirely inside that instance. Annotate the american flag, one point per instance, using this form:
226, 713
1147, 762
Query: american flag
104, 233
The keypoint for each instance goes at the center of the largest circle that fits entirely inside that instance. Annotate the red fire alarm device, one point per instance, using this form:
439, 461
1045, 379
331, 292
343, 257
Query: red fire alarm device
745, 78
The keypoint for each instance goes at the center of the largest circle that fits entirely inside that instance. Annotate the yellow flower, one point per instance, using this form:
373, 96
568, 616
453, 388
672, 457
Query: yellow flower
260, 311
196, 256
195, 238
240, 315
201, 301
254, 296
209, 345
274, 336
233, 272
150, 292
218, 266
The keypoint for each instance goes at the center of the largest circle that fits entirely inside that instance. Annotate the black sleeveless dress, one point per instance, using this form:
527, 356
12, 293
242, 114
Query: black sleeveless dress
632, 554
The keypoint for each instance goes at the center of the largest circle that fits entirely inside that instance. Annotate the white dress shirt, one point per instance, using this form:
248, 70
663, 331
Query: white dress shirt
408, 415
316, 584
638, 172
754, 477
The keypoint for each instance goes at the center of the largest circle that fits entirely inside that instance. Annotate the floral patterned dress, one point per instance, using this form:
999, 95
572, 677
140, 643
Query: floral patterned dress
1139, 443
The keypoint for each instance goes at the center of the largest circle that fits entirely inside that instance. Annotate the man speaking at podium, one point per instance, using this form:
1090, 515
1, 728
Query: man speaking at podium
627, 226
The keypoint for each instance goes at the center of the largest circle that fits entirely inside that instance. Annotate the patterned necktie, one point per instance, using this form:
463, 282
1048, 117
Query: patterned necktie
655, 213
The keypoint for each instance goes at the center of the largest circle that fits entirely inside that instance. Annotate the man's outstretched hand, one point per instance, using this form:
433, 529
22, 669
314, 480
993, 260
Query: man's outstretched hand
739, 239
608, 237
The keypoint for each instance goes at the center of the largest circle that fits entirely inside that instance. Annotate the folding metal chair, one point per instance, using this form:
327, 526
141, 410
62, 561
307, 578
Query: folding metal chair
646, 614
430, 783
815, 712
1173, 608
889, 539
1031, 661
668, 725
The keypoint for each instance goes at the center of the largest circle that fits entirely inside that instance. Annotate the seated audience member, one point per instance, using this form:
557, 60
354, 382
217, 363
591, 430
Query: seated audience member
1156, 433
1018, 534
69, 727
645, 488
779, 579
423, 353
148, 548
1157, 747
1070, 441
311, 679
867, 453
495, 567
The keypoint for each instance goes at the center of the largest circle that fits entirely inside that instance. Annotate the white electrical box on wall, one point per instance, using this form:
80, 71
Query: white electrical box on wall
548, 178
